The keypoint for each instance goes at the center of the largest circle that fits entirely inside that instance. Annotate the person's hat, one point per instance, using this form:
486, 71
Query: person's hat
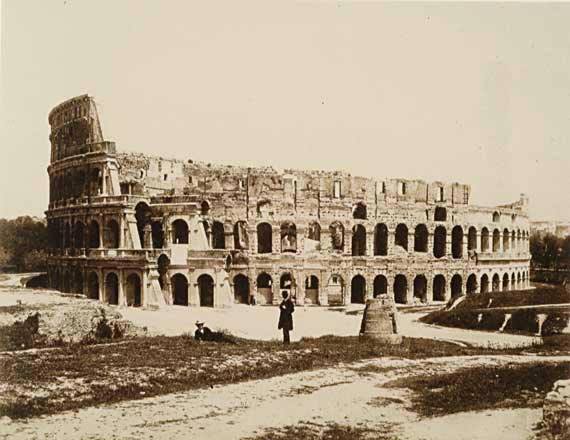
199, 323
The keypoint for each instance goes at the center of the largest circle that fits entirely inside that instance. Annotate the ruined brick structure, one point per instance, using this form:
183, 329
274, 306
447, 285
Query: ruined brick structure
135, 230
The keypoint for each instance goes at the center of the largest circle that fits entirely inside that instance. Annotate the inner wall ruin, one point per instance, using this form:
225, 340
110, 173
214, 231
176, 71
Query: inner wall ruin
135, 230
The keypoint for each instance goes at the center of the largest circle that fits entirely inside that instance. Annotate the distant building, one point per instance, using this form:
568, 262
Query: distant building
558, 228
135, 230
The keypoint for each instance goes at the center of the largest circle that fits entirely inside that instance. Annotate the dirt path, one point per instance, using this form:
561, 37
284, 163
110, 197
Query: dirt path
346, 394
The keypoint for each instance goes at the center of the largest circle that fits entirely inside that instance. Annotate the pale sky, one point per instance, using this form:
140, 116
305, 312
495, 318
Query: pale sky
476, 93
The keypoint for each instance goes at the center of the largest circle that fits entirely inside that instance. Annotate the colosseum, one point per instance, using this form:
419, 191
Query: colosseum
134, 230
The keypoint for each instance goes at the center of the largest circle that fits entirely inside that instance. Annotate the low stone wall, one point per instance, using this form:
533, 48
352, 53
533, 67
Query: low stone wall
556, 411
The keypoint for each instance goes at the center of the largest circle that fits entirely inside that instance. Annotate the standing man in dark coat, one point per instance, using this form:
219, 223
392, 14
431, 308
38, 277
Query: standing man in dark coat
286, 309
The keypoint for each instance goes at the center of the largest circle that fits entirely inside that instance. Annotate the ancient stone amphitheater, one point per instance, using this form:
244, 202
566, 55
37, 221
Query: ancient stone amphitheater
135, 230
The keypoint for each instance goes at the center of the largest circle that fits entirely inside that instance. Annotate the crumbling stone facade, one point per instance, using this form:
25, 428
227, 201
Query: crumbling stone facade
135, 230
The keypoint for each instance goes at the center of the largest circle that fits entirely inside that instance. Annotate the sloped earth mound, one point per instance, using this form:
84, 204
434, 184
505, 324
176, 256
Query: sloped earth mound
26, 326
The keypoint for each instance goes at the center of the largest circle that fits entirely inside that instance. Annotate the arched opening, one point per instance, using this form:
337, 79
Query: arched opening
439, 288
142, 215
513, 240
484, 240
204, 208
496, 283
93, 286
67, 236
472, 239
420, 288
381, 239
157, 235
359, 211
457, 242
206, 290
519, 242
264, 288
358, 241
519, 281
112, 234
337, 236
134, 290
496, 217
513, 282
241, 289
79, 235
264, 238
400, 289
484, 283
312, 290
288, 237
439, 242
78, 281
402, 236
471, 284
218, 236
358, 290
264, 209
335, 290
456, 285
421, 238
380, 285
286, 283
314, 232
94, 242
496, 240
179, 290
66, 281
241, 239
506, 237
179, 232
440, 214
506, 282
112, 289
524, 277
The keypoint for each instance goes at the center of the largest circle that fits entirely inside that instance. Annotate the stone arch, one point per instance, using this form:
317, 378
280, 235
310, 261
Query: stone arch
484, 283
439, 288
142, 215
496, 217
67, 236
133, 290
380, 285
179, 231
358, 290
421, 238
241, 238
112, 288
78, 280
337, 236
288, 237
456, 285
94, 239
400, 289
496, 282
112, 232
380, 239
420, 288
496, 240
312, 289
402, 236
157, 234
79, 235
471, 284
335, 290
439, 242
485, 240
206, 290
314, 231
513, 240
506, 281
513, 282
204, 207
265, 288
179, 284
472, 239
264, 238
359, 211
92, 285
440, 214
519, 280
506, 237
218, 235
241, 289
457, 242
358, 240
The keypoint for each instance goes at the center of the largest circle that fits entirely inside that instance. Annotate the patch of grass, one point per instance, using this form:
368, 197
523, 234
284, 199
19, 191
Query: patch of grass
513, 298
312, 431
148, 366
469, 389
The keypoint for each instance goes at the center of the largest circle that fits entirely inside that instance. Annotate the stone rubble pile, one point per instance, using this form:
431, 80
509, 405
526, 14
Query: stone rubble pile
556, 410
